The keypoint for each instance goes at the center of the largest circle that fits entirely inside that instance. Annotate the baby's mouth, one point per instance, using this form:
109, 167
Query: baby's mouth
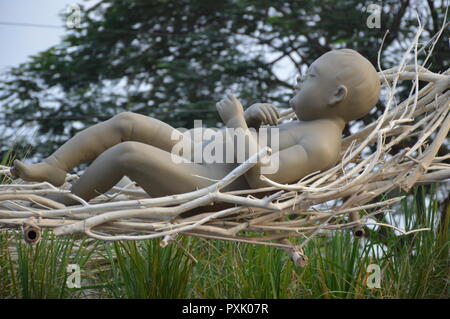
291, 102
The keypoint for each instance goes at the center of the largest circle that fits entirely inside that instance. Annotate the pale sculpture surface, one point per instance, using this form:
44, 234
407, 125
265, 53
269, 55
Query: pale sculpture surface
338, 87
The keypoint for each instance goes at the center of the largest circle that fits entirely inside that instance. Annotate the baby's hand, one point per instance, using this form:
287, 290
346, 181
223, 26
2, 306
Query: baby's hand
262, 113
230, 108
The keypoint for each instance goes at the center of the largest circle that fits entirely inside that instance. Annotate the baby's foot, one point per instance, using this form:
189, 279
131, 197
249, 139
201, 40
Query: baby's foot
39, 172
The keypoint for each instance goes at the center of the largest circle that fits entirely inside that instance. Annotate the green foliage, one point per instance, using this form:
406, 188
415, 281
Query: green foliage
412, 266
174, 59
40, 271
227, 270
418, 265
144, 270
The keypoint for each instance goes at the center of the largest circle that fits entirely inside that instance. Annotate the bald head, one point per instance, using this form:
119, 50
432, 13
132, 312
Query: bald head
349, 68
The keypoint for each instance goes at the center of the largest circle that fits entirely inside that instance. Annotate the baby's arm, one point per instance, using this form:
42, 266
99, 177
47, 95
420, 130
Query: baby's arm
285, 166
232, 114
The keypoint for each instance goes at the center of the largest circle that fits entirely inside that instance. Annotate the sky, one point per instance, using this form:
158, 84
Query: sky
18, 42
38, 26
28, 27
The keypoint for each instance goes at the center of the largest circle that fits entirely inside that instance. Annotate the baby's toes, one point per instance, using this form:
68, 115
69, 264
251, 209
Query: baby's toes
20, 170
14, 171
16, 168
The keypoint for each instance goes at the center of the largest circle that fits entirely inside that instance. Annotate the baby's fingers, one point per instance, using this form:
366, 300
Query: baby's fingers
273, 116
232, 98
269, 118
275, 109
220, 105
262, 116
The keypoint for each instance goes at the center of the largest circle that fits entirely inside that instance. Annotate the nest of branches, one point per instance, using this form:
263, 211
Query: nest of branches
343, 197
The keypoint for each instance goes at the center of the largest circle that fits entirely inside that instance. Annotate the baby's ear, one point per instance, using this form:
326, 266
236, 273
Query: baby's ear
338, 96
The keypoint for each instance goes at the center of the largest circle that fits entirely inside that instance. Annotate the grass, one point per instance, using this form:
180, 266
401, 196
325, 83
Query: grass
40, 271
227, 270
144, 270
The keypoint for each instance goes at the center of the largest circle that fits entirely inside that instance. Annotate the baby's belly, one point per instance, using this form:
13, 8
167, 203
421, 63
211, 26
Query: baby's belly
219, 147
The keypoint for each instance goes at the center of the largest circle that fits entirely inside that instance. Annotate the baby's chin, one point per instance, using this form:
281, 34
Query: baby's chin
292, 104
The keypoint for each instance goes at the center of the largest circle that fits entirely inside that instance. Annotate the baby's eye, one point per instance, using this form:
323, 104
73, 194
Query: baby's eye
303, 77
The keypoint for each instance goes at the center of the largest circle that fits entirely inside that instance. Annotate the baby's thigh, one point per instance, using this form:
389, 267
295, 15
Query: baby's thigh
148, 130
162, 173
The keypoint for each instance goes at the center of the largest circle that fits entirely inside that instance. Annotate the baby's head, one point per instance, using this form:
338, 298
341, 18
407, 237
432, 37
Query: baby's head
340, 83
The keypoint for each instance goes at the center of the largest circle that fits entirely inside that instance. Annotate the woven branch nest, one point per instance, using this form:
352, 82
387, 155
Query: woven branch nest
271, 215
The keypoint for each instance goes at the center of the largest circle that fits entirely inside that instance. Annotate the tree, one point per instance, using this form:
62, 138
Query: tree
174, 59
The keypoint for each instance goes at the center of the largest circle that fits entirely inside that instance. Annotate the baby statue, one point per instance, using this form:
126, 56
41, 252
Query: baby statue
338, 87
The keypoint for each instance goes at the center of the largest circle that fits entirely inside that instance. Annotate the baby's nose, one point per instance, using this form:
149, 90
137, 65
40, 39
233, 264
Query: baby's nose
298, 82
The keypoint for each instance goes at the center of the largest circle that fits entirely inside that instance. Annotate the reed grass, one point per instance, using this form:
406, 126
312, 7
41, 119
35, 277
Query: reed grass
412, 266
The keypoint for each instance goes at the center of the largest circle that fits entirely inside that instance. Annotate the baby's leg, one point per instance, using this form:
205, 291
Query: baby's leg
85, 146
151, 167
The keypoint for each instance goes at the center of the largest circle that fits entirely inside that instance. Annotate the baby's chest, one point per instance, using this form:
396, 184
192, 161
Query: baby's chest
320, 141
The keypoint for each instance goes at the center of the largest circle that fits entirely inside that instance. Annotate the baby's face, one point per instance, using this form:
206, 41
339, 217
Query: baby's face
313, 90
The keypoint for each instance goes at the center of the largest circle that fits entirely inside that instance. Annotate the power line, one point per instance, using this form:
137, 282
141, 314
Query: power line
34, 25
49, 26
